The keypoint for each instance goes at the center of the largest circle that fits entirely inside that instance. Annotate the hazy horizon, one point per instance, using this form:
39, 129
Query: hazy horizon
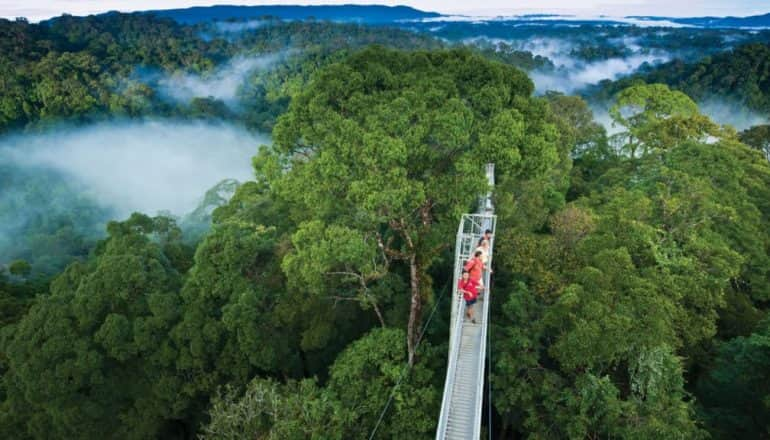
36, 10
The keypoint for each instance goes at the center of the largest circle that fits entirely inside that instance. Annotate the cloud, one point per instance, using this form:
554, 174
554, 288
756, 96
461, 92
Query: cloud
147, 166
548, 19
720, 111
222, 83
602, 116
573, 74
570, 80
239, 26
731, 113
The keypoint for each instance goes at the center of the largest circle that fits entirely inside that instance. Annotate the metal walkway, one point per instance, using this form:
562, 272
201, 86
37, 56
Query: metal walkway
464, 385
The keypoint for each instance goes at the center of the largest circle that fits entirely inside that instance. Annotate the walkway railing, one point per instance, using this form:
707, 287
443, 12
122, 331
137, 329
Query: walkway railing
469, 232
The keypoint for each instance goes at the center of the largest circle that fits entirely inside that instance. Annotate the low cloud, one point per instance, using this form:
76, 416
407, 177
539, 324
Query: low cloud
572, 74
229, 27
731, 113
580, 75
720, 111
148, 166
222, 83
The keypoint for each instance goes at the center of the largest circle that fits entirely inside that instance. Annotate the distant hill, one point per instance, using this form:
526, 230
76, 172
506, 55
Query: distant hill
755, 21
370, 14
741, 76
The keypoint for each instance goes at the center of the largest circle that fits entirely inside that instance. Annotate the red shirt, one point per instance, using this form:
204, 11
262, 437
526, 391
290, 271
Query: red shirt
474, 266
468, 288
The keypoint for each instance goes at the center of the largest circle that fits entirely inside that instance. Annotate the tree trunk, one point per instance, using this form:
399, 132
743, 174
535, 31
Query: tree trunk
415, 310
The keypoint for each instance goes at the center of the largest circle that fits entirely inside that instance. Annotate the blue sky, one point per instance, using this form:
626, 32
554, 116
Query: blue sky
41, 9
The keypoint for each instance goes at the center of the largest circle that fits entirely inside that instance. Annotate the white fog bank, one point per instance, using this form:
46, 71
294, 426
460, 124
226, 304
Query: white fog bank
222, 83
147, 166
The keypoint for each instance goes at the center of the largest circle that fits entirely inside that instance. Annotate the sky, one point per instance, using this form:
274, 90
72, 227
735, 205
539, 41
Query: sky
36, 10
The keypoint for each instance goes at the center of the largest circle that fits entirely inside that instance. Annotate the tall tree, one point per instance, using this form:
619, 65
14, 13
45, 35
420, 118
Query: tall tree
757, 137
239, 319
386, 149
656, 117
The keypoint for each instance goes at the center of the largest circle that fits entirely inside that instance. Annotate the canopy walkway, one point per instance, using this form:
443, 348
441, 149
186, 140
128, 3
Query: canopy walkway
464, 385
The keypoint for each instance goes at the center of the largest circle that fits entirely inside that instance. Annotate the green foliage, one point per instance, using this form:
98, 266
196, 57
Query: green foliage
364, 375
81, 69
93, 358
632, 282
45, 220
757, 137
349, 406
740, 75
656, 117
735, 393
228, 330
592, 358
197, 223
269, 410
86, 68
19, 268
16, 297
74, 68
238, 317
658, 256
505, 53
386, 149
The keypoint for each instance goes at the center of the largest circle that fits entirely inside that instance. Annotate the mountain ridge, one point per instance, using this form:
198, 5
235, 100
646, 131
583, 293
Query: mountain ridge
353, 13
751, 21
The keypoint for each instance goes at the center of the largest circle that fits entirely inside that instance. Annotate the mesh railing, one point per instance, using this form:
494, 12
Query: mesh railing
469, 233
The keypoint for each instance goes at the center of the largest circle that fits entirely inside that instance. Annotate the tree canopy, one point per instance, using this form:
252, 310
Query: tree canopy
383, 152
632, 276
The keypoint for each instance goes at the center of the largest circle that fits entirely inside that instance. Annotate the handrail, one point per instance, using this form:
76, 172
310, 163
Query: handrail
483, 347
457, 312
454, 354
471, 229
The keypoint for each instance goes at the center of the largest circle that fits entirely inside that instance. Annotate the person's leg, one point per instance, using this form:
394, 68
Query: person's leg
470, 311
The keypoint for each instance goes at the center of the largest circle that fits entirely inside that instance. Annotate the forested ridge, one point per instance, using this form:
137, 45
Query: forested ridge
739, 75
90, 68
632, 271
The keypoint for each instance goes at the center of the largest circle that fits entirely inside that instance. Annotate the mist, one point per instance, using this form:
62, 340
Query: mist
731, 113
572, 79
572, 74
720, 111
223, 83
148, 166
227, 27
602, 116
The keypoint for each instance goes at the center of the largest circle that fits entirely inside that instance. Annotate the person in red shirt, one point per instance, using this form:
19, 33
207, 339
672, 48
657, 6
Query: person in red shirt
468, 288
475, 267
